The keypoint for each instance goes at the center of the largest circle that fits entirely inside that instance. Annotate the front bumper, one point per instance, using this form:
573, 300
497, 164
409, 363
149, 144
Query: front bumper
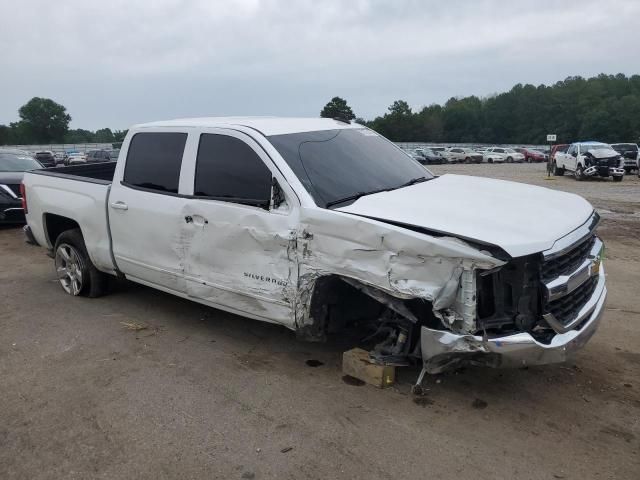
443, 350
604, 171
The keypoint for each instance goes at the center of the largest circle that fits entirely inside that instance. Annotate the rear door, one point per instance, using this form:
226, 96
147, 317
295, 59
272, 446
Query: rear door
146, 210
240, 247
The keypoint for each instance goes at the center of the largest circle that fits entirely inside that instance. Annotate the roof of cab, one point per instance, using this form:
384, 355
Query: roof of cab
265, 125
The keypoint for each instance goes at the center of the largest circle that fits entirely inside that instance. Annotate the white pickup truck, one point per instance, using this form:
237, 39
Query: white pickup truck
326, 227
589, 159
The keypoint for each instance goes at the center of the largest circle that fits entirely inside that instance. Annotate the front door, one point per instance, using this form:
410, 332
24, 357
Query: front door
241, 244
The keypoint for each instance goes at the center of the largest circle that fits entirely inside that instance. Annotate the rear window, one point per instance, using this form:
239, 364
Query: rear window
228, 169
154, 160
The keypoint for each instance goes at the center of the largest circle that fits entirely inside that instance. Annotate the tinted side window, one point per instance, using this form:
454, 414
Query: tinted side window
228, 168
154, 159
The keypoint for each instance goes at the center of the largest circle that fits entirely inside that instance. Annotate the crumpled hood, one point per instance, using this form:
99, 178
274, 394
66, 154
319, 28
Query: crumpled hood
521, 219
603, 152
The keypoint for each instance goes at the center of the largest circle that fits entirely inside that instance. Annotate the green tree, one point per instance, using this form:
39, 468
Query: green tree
104, 135
45, 120
339, 109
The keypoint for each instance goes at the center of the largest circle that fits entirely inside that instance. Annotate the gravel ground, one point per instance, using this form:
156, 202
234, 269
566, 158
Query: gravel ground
204, 394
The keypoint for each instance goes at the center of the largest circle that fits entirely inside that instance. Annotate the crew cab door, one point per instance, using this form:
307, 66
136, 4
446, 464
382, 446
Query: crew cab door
570, 159
146, 209
239, 237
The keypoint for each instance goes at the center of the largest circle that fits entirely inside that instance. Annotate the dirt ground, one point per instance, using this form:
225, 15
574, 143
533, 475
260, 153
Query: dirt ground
204, 394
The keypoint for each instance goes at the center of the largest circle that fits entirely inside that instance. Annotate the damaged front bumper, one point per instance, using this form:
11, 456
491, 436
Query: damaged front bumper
604, 171
443, 350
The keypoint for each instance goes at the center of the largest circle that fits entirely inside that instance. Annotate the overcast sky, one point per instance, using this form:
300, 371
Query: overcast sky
115, 63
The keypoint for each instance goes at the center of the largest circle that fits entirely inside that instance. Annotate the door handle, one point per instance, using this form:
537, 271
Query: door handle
119, 206
197, 220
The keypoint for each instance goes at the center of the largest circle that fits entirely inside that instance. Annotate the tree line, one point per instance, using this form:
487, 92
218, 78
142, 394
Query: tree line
43, 121
604, 108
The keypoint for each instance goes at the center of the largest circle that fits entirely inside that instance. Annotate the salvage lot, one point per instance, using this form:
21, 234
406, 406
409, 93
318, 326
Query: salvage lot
198, 392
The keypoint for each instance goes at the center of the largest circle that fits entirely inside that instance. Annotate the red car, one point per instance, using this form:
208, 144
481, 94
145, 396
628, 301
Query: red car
531, 155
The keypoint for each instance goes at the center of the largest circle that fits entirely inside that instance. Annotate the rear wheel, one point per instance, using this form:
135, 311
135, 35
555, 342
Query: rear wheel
76, 274
490, 160
557, 171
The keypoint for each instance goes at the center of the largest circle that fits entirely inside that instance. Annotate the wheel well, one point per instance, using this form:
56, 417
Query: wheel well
343, 305
54, 225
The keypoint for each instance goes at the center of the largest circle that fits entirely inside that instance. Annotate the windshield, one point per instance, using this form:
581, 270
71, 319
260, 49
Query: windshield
10, 162
585, 147
337, 164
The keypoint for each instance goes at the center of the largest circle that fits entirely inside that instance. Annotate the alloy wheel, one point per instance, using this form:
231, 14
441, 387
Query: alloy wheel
69, 267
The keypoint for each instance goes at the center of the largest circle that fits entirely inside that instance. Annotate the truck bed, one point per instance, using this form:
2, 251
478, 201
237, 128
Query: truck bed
101, 172
77, 193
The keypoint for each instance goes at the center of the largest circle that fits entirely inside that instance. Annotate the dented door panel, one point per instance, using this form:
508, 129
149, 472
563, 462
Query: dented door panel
241, 256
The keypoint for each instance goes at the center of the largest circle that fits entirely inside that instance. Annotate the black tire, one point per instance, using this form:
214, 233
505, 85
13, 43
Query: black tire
618, 179
529, 160
490, 160
509, 160
579, 173
93, 283
627, 170
467, 160
557, 172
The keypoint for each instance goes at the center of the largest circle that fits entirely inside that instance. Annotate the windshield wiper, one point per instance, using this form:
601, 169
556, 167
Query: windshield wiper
413, 181
355, 196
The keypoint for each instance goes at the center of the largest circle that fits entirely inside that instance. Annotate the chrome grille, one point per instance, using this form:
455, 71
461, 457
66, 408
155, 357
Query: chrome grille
568, 262
570, 276
566, 308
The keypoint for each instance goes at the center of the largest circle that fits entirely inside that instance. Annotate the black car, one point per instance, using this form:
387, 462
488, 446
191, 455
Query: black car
13, 164
46, 158
430, 157
102, 156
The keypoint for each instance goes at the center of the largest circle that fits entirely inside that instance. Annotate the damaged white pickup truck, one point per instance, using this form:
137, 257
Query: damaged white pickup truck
328, 228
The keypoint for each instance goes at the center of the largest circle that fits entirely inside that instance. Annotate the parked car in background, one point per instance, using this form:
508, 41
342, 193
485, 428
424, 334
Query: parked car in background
75, 158
102, 156
489, 155
510, 155
46, 158
532, 155
463, 155
430, 157
589, 159
13, 164
630, 155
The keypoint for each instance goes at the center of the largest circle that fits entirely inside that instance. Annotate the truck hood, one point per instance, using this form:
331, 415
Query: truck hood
521, 219
603, 152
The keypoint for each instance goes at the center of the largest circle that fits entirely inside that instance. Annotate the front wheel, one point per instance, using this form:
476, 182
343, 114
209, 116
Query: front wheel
579, 173
76, 273
618, 179
509, 160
